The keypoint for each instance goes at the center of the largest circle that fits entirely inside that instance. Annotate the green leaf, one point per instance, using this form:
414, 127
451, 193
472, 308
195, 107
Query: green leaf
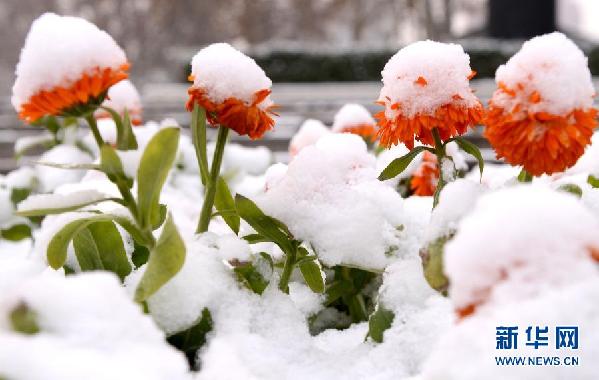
338, 289
158, 216
112, 166
86, 251
24, 320
61, 210
110, 247
524, 176
198, 137
571, 188
16, 232
432, 264
156, 161
311, 273
263, 224
255, 239
192, 339
251, 277
472, 150
18, 195
379, 322
166, 259
69, 166
397, 166
593, 181
225, 205
140, 254
125, 138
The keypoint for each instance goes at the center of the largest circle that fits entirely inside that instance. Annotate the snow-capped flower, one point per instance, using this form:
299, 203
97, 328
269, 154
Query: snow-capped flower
66, 65
233, 89
426, 86
308, 134
425, 178
356, 119
542, 116
121, 96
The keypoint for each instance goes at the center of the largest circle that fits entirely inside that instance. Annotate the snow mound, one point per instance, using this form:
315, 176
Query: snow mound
49, 177
444, 68
124, 95
308, 134
58, 50
352, 115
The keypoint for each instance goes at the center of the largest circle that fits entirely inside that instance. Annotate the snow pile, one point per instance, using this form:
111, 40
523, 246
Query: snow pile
352, 115
224, 72
520, 242
104, 331
308, 134
58, 51
247, 160
121, 96
50, 177
548, 74
331, 198
426, 75
495, 176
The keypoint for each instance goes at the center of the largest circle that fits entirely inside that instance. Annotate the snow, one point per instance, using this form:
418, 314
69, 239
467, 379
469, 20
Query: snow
352, 115
58, 50
49, 177
308, 134
554, 67
224, 72
250, 160
121, 96
330, 197
21, 178
105, 331
445, 68
517, 243
59, 201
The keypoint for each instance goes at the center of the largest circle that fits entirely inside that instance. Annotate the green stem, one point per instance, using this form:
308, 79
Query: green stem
287, 270
206, 213
440, 153
524, 176
94, 127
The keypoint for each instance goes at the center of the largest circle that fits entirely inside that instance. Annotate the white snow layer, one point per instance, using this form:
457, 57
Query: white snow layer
351, 115
308, 134
444, 67
553, 66
224, 72
58, 50
124, 95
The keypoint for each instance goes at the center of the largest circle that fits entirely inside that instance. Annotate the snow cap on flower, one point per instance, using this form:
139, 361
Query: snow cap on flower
541, 115
233, 89
356, 119
66, 61
517, 243
426, 85
308, 134
121, 96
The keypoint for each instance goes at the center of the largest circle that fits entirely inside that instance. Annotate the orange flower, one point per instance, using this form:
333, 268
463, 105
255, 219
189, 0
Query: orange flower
367, 131
74, 98
450, 120
539, 141
425, 178
245, 119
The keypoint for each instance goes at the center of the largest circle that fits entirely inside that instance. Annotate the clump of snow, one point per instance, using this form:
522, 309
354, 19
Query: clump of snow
21, 178
352, 115
330, 197
50, 177
457, 155
455, 201
60, 201
58, 50
518, 242
224, 72
105, 330
424, 76
121, 96
248, 160
308, 134
448, 170
588, 163
305, 299
469, 348
554, 67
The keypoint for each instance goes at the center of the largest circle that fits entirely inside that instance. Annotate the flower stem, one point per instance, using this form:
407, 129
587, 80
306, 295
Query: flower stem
287, 270
94, 127
440, 153
206, 213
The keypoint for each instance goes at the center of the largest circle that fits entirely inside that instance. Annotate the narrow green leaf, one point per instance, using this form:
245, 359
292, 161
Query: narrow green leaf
156, 161
225, 205
397, 166
112, 166
251, 277
125, 139
524, 176
16, 232
158, 216
312, 273
198, 137
110, 247
593, 181
166, 259
262, 223
472, 150
60, 210
18, 195
69, 166
379, 322
86, 251
571, 188
24, 320
140, 254
338, 289
256, 238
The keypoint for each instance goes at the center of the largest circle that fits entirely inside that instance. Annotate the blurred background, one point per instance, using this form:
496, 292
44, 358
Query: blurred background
320, 53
